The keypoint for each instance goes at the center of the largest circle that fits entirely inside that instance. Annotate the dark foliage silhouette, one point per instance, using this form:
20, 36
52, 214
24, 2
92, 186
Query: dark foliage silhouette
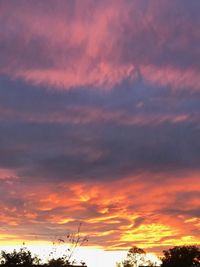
19, 258
181, 256
60, 262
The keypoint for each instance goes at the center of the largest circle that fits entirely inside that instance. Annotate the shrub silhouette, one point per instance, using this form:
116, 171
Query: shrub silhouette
60, 262
19, 258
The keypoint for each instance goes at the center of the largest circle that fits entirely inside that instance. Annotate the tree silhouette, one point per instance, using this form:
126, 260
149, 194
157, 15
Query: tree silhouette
19, 258
135, 257
181, 256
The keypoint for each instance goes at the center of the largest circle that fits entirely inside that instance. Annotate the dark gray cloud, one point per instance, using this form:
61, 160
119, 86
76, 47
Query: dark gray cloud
98, 148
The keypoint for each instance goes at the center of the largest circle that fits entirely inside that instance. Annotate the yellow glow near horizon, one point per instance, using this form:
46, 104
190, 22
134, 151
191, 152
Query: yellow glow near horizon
93, 257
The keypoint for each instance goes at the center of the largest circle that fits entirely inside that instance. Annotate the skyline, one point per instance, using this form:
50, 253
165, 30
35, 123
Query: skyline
99, 122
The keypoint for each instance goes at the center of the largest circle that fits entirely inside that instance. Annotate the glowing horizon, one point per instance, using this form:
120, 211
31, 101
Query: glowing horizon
93, 257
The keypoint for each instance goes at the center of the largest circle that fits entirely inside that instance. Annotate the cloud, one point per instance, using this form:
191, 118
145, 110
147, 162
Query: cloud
111, 220
124, 161
65, 136
64, 45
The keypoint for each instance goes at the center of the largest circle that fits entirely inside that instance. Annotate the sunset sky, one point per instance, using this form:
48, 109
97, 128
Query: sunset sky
100, 122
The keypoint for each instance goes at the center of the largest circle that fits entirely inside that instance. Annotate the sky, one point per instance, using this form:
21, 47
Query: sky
100, 122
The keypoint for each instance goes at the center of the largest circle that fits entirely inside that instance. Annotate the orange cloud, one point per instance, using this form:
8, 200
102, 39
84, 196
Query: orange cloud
138, 211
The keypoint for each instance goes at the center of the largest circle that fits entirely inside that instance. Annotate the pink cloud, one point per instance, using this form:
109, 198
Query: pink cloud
82, 115
99, 44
